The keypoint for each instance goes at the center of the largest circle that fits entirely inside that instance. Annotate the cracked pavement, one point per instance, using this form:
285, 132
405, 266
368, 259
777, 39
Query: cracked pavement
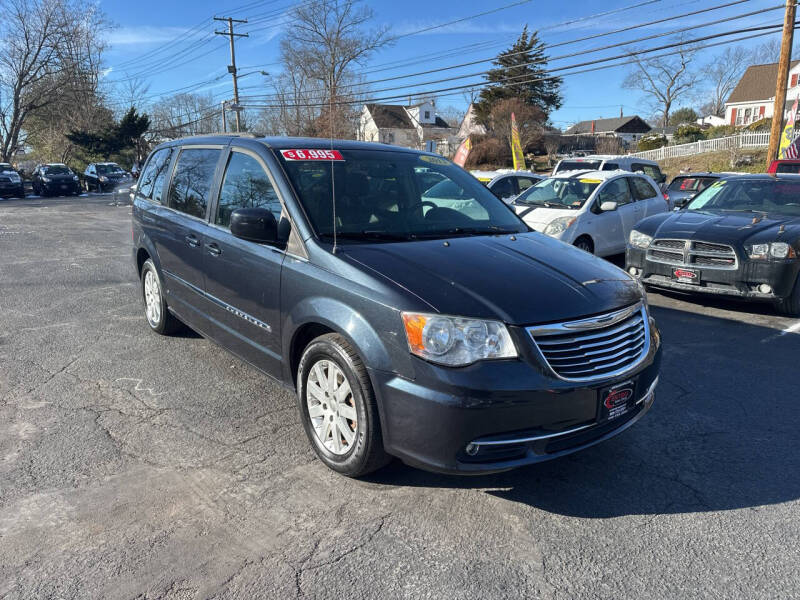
138, 466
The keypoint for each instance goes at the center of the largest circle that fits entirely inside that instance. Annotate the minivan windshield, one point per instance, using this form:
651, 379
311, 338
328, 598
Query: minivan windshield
559, 193
396, 196
579, 165
753, 195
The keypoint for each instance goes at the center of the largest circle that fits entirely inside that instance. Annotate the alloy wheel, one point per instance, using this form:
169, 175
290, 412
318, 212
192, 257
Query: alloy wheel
331, 407
152, 298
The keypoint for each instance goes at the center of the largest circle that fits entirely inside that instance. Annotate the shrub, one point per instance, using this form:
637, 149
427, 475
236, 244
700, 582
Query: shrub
685, 134
651, 141
489, 151
719, 131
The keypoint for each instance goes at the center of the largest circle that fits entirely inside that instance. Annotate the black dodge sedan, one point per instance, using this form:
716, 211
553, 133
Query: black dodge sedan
738, 237
55, 179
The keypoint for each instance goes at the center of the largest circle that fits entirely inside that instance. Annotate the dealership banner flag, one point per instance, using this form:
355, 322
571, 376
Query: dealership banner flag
462, 153
516, 146
788, 147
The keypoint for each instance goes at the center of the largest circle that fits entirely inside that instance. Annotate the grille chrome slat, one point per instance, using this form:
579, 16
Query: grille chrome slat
572, 338
625, 344
601, 347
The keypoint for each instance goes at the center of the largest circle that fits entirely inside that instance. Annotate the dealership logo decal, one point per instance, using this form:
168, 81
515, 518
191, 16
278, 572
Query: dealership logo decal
682, 273
617, 398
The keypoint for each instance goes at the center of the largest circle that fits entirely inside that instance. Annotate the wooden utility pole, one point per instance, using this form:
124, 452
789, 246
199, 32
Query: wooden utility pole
232, 67
783, 79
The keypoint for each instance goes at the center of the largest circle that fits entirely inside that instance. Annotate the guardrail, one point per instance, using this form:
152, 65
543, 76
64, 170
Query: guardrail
742, 140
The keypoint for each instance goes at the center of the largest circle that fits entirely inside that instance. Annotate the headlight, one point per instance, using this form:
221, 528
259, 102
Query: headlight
46, 179
456, 341
559, 225
75, 178
638, 239
779, 250
103, 178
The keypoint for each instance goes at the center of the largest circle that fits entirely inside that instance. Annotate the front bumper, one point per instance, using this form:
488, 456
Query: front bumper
512, 412
14, 190
742, 282
61, 187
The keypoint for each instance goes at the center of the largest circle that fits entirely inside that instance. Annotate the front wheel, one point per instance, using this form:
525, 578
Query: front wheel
338, 408
791, 304
155, 307
585, 244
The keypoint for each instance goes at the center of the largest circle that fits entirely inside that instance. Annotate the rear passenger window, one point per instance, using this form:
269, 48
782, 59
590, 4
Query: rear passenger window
641, 189
610, 167
246, 185
650, 171
153, 176
191, 184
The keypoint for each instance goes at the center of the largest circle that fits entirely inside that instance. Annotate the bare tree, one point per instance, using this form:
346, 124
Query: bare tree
530, 121
327, 40
185, 114
47, 46
723, 73
664, 80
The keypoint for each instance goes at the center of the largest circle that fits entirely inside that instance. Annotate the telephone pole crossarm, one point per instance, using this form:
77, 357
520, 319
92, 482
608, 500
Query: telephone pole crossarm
232, 67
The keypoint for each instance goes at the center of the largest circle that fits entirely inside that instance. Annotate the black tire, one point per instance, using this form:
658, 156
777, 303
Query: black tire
167, 323
790, 305
584, 243
366, 454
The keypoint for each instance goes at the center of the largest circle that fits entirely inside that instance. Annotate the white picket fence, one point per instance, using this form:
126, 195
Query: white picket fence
741, 140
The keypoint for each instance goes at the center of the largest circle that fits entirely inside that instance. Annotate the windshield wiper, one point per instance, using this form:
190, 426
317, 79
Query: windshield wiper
369, 235
489, 230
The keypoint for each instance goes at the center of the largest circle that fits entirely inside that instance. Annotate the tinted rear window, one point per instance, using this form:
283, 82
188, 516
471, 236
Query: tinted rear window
690, 184
191, 184
788, 168
578, 165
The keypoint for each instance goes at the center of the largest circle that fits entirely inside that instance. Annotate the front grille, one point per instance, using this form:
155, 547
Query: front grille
663, 256
706, 247
595, 348
5, 179
692, 254
676, 244
713, 261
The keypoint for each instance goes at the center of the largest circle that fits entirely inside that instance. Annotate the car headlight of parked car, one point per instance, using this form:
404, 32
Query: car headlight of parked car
103, 178
638, 239
559, 225
779, 250
456, 341
46, 179
75, 178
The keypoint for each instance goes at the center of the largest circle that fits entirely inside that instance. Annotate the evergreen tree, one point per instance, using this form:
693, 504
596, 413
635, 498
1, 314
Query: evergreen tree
113, 139
521, 73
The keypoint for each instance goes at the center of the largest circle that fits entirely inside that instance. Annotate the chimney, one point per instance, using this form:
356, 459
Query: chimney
592, 127
620, 112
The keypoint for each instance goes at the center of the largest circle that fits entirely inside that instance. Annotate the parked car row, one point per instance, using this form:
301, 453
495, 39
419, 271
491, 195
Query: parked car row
57, 179
11, 184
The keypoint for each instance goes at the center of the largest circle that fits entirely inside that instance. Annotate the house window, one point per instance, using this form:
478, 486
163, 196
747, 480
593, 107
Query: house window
748, 113
389, 138
739, 117
427, 115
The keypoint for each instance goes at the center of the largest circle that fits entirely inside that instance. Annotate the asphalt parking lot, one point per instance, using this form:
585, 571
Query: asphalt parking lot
138, 466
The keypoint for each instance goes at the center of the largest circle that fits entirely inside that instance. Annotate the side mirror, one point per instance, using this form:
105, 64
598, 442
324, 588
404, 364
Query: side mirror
681, 202
254, 225
608, 206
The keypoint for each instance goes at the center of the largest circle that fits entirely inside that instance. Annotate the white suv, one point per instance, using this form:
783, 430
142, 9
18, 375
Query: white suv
612, 162
593, 210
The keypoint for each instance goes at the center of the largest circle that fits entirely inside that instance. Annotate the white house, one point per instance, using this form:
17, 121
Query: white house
408, 126
753, 97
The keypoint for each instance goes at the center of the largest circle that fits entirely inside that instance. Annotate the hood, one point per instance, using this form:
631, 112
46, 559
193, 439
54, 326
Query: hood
722, 227
534, 279
540, 217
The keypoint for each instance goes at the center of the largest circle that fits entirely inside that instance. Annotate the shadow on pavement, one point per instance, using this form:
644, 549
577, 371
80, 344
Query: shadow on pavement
723, 434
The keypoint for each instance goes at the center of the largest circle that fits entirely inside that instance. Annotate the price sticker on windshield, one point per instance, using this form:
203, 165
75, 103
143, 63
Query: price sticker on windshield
298, 154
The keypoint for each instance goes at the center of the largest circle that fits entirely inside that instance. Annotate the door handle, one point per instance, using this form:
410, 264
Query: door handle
192, 240
213, 249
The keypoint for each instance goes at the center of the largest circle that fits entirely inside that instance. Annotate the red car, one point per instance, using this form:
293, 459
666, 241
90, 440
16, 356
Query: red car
784, 165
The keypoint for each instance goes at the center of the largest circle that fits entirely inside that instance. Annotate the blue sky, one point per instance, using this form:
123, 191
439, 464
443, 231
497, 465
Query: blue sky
144, 26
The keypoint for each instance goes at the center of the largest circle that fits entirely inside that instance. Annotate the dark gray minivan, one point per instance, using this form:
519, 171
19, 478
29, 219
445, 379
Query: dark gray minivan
435, 327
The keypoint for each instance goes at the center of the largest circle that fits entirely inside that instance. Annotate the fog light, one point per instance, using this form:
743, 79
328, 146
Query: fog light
471, 449
635, 271
765, 289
